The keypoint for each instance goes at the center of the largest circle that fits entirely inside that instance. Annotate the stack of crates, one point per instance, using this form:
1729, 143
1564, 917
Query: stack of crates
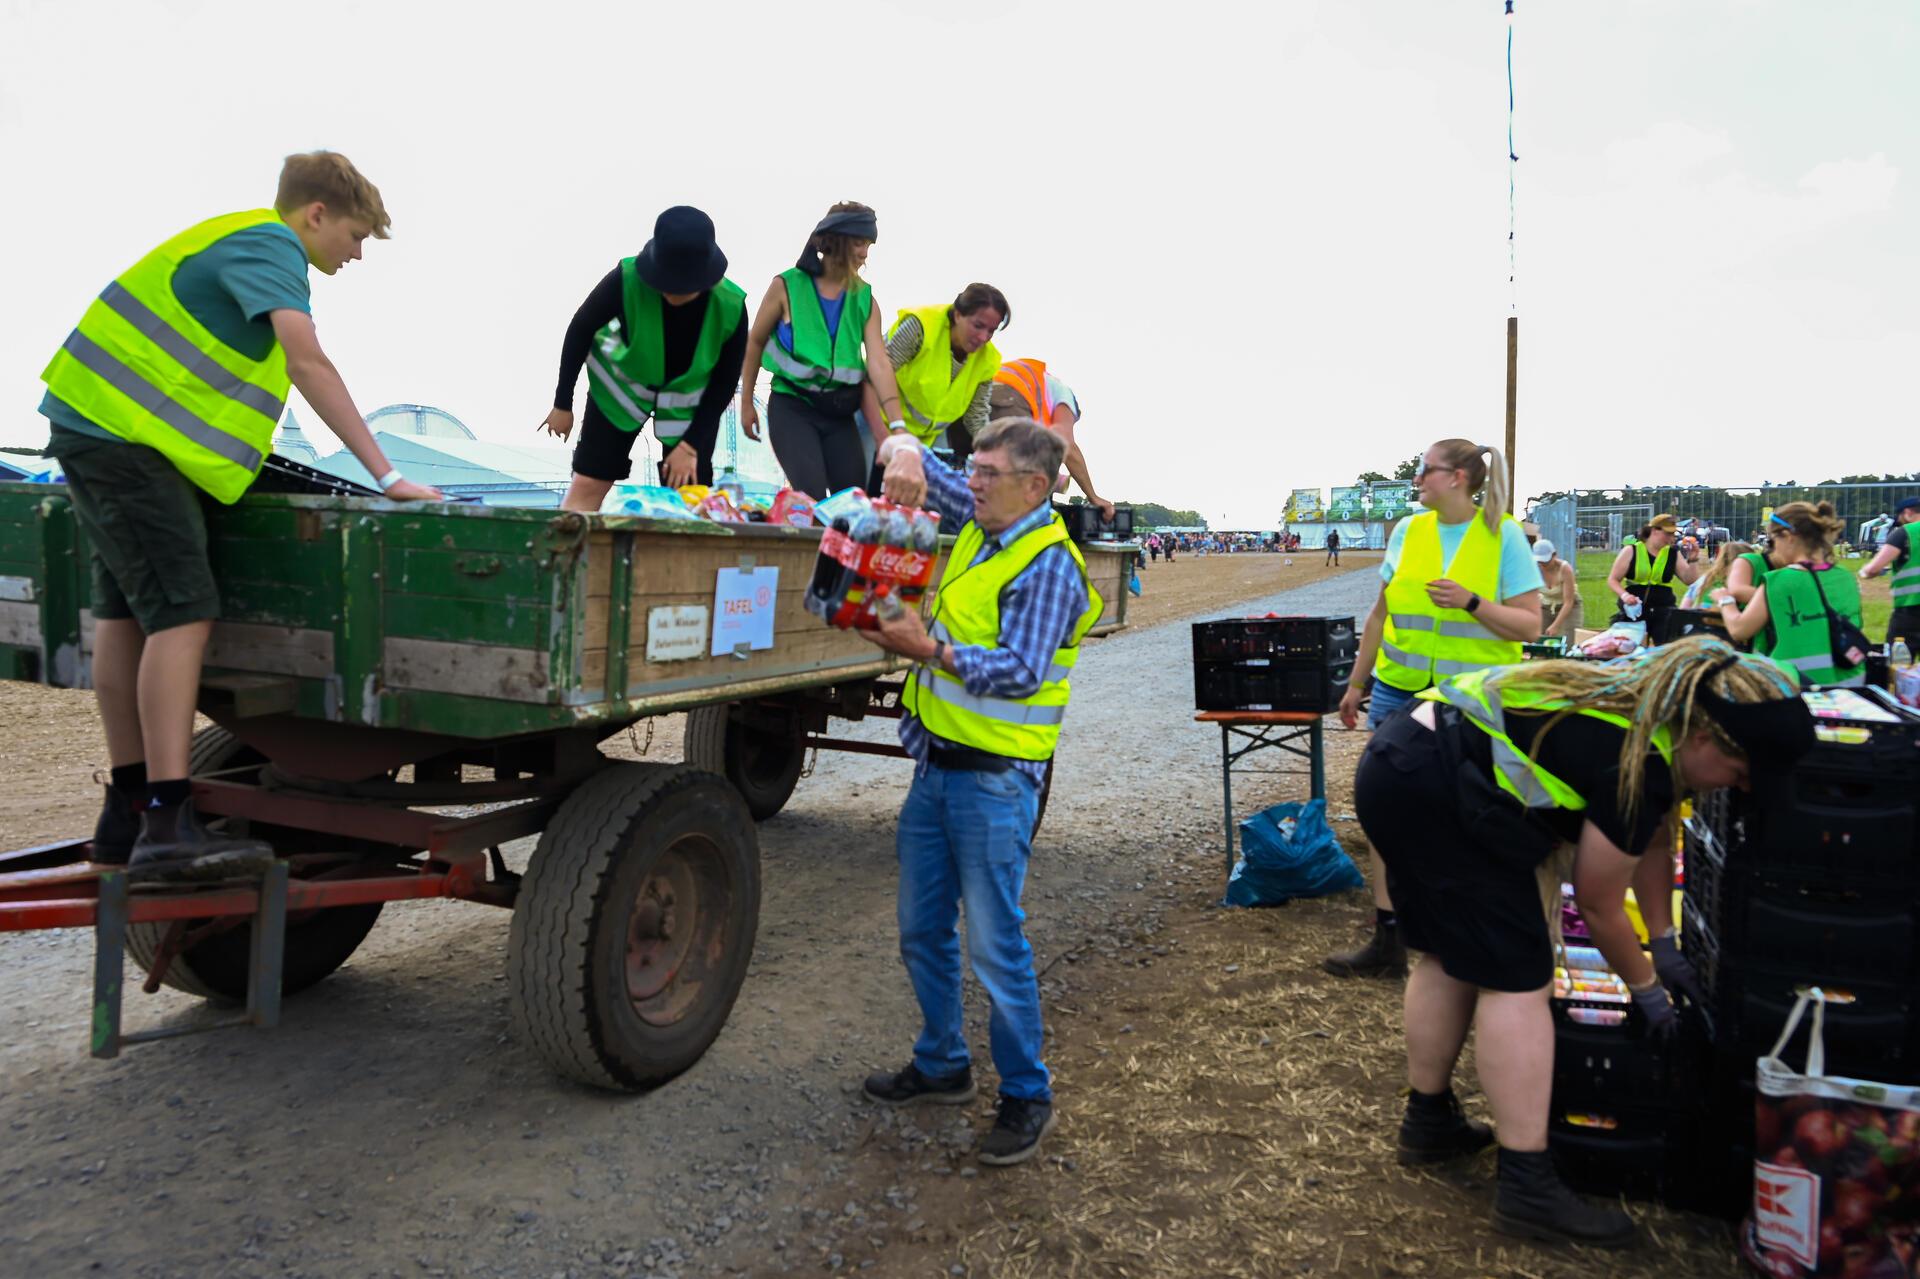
1809, 880
1273, 663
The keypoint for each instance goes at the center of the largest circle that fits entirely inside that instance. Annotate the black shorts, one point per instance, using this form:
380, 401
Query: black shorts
1482, 918
1904, 622
146, 529
605, 452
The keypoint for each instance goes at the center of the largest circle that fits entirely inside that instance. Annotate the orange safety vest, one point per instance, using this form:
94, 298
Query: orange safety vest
1029, 377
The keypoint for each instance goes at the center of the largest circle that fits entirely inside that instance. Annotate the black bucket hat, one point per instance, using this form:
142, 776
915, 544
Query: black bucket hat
682, 256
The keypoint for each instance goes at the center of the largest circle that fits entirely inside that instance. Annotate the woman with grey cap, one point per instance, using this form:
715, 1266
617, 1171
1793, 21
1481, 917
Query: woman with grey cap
818, 332
661, 337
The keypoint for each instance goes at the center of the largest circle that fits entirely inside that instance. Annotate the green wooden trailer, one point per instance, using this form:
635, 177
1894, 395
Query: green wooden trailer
398, 689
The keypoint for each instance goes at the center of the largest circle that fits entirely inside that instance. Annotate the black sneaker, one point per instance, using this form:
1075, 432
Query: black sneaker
175, 846
117, 828
903, 1087
1017, 1131
1435, 1129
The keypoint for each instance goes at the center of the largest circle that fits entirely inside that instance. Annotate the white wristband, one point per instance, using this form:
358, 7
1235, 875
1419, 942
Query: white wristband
896, 426
388, 480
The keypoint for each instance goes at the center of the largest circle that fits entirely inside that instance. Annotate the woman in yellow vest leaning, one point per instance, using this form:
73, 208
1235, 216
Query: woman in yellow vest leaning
1461, 593
944, 360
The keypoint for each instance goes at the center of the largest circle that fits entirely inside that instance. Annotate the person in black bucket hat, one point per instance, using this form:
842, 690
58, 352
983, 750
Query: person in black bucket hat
1470, 794
662, 337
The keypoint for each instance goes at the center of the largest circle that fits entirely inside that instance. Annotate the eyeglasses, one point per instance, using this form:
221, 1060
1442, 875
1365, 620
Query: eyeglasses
989, 474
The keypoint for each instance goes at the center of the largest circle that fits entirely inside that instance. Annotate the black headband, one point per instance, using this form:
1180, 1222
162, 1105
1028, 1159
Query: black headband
1772, 733
852, 222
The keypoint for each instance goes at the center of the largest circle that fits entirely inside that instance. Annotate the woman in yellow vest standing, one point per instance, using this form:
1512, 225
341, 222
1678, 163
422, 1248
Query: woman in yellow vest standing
818, 332
169, 389
1797, 606
1461, 593
662, 337
1028, 388
1644, 572
1466, 796
944, 360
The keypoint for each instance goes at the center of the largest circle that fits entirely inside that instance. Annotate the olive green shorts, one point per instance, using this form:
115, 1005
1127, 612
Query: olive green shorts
146, 528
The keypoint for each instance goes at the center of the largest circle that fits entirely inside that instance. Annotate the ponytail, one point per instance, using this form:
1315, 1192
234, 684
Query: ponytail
1486, 470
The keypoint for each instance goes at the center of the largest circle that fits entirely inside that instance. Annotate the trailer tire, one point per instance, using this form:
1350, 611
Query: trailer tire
317, 942
763, 766
635, 925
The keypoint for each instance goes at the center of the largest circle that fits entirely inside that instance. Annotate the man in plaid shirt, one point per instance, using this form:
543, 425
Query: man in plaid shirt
984, 707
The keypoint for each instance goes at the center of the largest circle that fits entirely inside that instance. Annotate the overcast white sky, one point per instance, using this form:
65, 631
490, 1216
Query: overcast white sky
1266, 243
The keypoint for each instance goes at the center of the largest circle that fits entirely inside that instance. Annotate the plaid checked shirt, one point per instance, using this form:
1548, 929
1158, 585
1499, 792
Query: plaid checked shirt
1037, 612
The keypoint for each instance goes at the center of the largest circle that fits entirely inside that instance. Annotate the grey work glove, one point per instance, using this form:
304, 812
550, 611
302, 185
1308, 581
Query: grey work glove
1657, 1005
1674, 970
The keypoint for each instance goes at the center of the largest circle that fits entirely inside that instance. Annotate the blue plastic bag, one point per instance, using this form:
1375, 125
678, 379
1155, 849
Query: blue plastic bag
1289, 851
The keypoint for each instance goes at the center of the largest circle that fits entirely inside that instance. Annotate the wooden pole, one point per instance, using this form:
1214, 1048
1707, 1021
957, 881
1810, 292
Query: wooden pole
1513, 368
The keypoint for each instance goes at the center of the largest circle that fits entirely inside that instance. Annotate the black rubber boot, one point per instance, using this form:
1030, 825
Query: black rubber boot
1533, 1203
1436, 1129
118, 826
174, 845
1384, 955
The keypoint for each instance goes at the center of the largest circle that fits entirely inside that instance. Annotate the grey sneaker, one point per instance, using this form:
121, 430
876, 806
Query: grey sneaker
903, 1087
1017, 1131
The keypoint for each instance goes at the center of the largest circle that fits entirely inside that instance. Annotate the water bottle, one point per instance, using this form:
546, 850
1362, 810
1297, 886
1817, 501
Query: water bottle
729, 482
1898, 654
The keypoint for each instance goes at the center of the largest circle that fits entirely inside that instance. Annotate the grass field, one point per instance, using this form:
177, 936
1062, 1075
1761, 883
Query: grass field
1592, 567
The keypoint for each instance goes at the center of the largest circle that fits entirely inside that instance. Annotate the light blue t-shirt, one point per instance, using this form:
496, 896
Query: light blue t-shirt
1519, 573
232, 286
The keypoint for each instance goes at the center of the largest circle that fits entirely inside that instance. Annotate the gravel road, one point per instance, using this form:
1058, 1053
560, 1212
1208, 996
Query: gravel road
391, 1126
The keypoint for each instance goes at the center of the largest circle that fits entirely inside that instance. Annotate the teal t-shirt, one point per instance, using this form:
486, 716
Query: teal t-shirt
1519, 572
232, 286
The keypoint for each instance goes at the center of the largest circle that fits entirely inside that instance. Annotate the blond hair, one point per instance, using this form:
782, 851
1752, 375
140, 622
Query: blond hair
1661, 691
329, 178
1485, 467
1719, 567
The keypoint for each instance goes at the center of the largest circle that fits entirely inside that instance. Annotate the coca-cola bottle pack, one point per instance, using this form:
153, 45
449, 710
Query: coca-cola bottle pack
872, 549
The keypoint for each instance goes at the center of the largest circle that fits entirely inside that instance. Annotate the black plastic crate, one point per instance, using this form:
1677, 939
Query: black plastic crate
1607, 1067
1084, 522
1876, 1036
1266, 639
1314, 687
1636, 1157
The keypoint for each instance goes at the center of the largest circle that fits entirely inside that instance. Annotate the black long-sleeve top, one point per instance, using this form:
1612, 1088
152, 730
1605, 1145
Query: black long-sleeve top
680, 332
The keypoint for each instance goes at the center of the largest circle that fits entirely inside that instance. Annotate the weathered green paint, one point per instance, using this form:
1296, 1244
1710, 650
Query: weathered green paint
619, 615
357, 636
518, 625
61, 593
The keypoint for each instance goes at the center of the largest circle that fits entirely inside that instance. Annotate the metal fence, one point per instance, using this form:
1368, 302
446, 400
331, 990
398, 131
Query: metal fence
1597, 519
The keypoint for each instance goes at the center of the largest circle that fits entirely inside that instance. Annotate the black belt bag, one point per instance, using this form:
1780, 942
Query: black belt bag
967, 759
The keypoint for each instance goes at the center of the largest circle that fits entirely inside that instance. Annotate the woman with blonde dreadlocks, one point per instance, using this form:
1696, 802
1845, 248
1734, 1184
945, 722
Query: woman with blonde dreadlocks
1464, 799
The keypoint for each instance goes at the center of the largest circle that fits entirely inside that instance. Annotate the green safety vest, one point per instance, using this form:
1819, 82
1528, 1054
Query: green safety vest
1424, 643
820, 361
1651, 571
1484, 702
1763, 641
1906, 572
932, 395
142, 367
626, 366
1801, 638
965, 609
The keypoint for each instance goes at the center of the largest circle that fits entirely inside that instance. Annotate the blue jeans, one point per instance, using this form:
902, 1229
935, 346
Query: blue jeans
966, 837
1386, 699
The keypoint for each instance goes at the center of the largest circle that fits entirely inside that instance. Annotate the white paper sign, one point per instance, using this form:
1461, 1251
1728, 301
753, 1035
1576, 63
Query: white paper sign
676, 632
743, 606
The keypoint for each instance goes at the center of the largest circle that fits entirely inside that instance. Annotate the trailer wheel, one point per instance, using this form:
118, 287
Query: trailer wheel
216, 968
635, 925
763, 766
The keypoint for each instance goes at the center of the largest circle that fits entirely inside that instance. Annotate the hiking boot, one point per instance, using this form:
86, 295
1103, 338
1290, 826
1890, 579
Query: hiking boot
1017, 1131
1384, 955
1436, 1129
903, 1087
117, 827
1533, 1203
174, 845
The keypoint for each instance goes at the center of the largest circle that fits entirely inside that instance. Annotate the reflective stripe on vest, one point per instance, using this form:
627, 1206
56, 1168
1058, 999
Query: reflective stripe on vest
1028, 377
141, 366
1479, 697
932, 395
1423, 643
966, 610
626, 366
1802, 638
820, 360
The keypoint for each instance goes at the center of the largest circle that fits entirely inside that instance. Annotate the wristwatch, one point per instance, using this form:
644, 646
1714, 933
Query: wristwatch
1473, 603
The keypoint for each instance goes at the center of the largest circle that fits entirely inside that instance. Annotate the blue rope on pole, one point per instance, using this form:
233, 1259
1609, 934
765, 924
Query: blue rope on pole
1513, 295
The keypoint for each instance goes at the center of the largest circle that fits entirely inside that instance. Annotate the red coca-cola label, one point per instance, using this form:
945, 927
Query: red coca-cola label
898, 564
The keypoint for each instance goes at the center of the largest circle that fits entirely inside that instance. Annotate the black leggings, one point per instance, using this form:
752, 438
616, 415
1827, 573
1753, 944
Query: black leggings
820, 452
